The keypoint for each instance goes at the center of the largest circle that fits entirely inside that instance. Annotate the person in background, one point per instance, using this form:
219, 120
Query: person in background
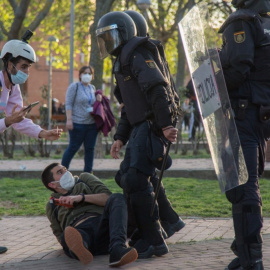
17, 57
195, 117
61, 108
80, 98
55, 101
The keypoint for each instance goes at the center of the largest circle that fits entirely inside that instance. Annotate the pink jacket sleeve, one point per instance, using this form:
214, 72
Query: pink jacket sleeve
7, 102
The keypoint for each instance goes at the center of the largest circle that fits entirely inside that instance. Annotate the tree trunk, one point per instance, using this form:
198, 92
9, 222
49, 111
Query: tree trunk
102, 7
99, 148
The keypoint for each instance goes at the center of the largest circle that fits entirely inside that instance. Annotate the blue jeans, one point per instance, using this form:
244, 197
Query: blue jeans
86, 134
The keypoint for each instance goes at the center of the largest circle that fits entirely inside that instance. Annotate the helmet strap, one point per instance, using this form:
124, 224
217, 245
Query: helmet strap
7, 71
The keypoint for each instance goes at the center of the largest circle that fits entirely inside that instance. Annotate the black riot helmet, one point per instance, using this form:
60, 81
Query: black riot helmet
140, 22
261, 6
113, 30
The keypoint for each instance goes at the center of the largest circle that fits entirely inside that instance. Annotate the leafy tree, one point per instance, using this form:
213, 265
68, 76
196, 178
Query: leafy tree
58, 24
17, 16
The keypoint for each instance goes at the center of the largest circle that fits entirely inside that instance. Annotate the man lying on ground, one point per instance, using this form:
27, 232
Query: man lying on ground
86, 218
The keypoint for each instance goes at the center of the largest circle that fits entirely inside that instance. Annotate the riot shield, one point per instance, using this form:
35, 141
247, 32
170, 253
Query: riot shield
217, 115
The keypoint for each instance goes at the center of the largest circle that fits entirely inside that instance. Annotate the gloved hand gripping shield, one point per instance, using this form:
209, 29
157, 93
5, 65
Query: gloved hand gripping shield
211, 92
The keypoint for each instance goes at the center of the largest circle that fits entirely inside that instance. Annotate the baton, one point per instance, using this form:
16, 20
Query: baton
160, 177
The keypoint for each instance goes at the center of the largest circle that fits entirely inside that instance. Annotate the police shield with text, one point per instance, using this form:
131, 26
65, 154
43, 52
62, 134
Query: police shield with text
148, 115
245, 59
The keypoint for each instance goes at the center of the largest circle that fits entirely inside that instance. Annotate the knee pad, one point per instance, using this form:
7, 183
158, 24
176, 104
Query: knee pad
133, 181
235, 195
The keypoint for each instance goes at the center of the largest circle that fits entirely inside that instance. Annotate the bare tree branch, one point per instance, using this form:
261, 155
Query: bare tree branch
19, 14
3, 29
13, 4
41, 15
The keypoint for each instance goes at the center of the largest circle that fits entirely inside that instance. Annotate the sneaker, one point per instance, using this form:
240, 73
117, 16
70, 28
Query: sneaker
74, 242
171, 229
3, 250
122, 255
146, 250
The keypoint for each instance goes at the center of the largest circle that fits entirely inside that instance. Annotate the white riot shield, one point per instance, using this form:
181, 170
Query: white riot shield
206, 72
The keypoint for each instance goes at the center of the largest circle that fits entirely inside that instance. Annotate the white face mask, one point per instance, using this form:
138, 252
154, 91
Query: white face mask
86, 78
67, 181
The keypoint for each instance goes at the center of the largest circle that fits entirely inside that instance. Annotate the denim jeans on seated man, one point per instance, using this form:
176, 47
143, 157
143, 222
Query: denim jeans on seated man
103, 232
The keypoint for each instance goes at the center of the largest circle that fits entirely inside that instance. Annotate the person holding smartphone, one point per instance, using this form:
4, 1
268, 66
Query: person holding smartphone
17, 57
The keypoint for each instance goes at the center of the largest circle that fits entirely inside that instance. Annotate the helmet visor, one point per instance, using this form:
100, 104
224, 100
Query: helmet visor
108, 39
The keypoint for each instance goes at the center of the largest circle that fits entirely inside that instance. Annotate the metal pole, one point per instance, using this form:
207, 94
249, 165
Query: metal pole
71, 42
50, 87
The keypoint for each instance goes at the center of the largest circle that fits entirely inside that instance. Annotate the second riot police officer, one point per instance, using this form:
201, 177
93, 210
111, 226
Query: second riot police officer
245, 59
147, 120
169, 219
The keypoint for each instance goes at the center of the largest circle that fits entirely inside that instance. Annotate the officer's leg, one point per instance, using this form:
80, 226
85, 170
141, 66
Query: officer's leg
246, 208
141, 195
169, 219
247, 245
125, 164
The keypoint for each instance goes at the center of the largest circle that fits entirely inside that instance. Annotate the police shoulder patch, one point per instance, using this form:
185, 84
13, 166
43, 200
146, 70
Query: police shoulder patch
150, 63
239, 37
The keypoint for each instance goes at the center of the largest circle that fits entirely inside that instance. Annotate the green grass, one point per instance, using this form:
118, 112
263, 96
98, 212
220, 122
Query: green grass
189, 197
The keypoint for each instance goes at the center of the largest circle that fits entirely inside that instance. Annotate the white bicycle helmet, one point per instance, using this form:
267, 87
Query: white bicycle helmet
18, 48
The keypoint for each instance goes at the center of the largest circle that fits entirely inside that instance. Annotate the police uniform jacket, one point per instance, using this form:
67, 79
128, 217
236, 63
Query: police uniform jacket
245, 56
141, 84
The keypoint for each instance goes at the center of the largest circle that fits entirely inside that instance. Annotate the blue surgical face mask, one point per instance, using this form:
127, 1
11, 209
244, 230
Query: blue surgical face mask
19, 78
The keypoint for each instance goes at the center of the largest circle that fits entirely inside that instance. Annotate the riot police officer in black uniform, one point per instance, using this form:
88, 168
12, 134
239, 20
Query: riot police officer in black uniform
245, 58
147, 120
169, 219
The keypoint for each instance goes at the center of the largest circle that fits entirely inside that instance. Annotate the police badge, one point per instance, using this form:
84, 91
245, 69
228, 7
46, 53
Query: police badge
150, 63
239, 37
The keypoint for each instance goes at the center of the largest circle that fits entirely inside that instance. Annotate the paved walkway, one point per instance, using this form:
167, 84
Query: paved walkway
202, 244
106, 168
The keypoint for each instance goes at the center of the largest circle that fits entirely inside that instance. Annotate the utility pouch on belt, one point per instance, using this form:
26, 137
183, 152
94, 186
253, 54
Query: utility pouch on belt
242, 105
264, 113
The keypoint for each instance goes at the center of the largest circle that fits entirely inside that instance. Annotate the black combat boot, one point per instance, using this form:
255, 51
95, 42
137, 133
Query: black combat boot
152, 242
255, 263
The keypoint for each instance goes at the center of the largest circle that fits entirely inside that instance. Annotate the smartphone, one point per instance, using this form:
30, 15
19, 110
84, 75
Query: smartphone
30, 106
